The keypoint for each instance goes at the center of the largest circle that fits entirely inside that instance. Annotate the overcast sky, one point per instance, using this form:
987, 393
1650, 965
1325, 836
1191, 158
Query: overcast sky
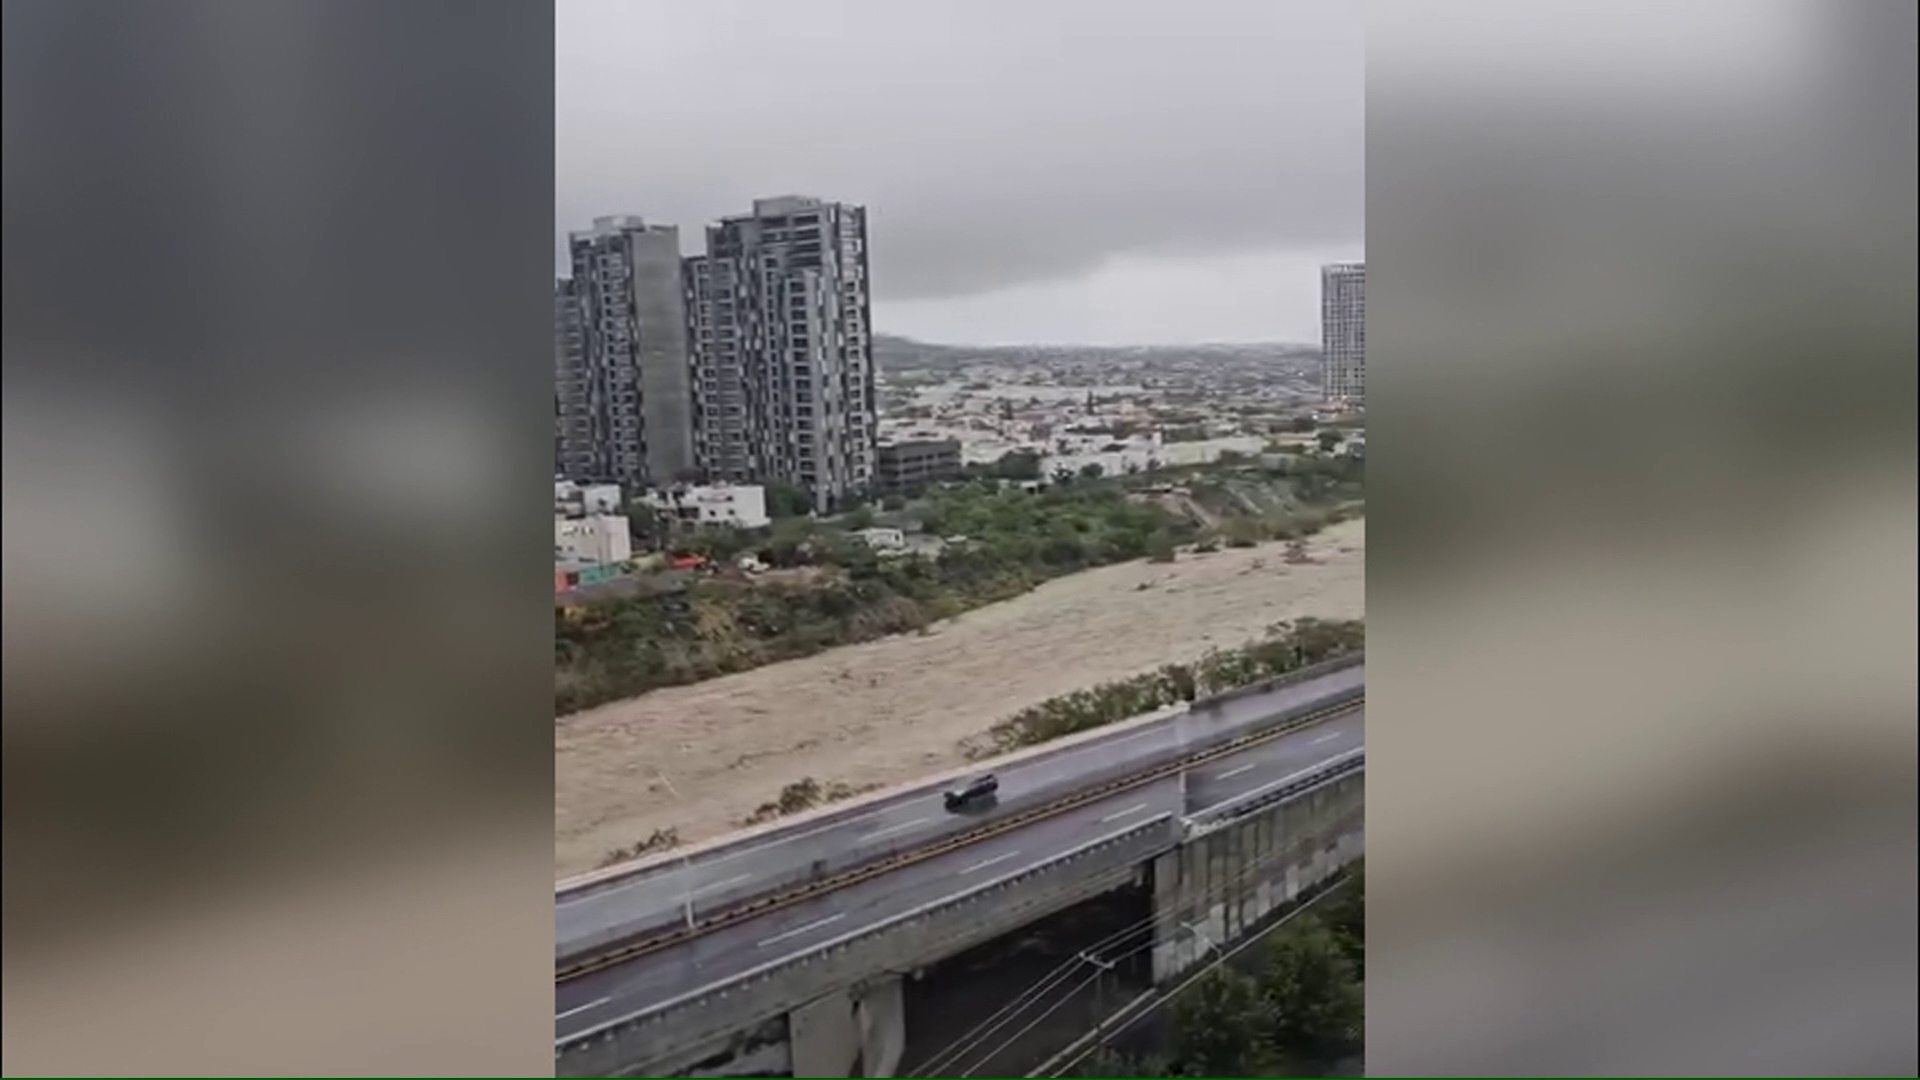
1070, 171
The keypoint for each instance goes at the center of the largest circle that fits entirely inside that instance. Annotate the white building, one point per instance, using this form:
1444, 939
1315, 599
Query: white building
597, 538
579, 500
880, 538
743, 506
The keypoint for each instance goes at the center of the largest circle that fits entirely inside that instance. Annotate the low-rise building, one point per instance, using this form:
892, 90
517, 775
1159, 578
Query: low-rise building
883, 539
594, 539
572, 499
912, 463
743, 506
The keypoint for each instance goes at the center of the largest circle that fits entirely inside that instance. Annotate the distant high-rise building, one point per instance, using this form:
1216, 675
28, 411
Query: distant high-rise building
783, 366
575, 449
1343, 332
622, 370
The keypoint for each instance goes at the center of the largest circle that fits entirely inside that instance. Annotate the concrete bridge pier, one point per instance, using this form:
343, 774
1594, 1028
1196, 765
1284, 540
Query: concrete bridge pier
859, 1032
882, 1013
1223, 881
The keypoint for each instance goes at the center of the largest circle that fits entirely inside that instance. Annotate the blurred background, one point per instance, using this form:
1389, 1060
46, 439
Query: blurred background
1641, 779
278, 317
277, 656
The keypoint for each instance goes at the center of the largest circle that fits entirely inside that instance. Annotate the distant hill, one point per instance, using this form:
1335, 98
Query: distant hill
900, 354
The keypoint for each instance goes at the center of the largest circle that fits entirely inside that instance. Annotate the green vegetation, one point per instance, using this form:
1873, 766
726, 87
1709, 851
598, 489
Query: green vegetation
1284, 648
829, 589
1295, 1007
804, 794
658, 840
787, 500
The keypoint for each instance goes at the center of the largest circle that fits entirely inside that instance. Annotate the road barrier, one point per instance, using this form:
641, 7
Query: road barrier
634, 949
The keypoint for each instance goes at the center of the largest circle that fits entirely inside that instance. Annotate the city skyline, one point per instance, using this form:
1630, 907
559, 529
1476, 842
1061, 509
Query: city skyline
1126, 204
747, 362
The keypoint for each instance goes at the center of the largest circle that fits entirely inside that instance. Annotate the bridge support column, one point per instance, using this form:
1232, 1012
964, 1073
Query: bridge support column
1179, 908
824, 1038
882, 1017
1217, 885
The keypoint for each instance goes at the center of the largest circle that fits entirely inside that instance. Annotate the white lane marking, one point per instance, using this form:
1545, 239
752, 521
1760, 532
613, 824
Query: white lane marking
722, 855
983, 864
1151, 729
735, 880
1118, 814
1231, 773
581, 1008
891, 829
798, 930
1324, 738
1162, 729
778, 839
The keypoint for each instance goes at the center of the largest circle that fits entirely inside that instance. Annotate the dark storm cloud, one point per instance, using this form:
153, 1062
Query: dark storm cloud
996, 142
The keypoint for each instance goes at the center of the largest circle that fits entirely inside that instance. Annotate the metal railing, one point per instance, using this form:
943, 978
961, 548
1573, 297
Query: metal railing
753, 992
634, 949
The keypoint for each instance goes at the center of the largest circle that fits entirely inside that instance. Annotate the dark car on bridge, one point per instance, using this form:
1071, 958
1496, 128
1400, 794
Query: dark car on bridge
980, 789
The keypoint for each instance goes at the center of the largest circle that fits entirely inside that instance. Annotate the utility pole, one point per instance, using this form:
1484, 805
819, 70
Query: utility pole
686, 861
1200, 935
1180, 730
1099, 984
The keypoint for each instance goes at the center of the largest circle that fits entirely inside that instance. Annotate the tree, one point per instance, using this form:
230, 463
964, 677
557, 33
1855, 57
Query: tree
1316, 1006
1328, 439
1109, 1062
787, 500
1091, 471
859, 518
1221, 1026
1346, 917
1016, 465
1300, 424
647, 527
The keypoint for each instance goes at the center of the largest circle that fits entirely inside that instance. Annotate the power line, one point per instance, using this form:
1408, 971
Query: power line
1188, 982
1046, 983
1205, 969
1035, 1022
963, 1046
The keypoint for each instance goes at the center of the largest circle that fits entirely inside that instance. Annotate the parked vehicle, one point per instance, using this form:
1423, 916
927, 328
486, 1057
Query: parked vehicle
977, 790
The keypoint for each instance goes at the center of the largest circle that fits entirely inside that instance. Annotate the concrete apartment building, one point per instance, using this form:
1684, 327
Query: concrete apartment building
1343, 332
622, 369
911, 463
778, 317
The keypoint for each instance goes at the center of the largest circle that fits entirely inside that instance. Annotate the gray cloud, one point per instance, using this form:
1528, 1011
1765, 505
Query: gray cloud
997, 143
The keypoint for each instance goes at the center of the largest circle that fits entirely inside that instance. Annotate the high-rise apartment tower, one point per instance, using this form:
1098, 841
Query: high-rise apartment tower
622, 370
782, 357
1343, 332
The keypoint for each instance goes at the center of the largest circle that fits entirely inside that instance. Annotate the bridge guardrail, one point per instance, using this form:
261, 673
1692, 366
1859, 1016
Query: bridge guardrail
1291, 678
841, 960
1100, 784
1286, 787
593, 880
